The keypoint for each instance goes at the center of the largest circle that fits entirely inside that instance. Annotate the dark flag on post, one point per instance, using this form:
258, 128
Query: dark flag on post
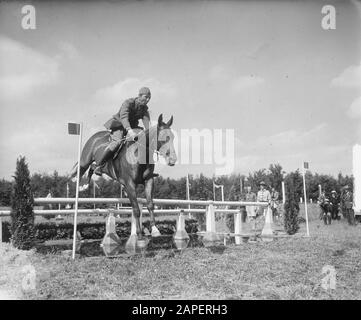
74, 128
305, 165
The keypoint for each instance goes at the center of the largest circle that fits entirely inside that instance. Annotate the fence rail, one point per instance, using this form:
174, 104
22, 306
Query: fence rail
141, 201
211, 207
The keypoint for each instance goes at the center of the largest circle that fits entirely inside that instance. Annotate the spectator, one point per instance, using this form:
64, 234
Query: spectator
334, 200
251, 210
263, 195
274, 202
321, 202
347, 201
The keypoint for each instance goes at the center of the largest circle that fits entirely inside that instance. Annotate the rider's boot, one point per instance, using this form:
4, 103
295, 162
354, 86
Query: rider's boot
106, 156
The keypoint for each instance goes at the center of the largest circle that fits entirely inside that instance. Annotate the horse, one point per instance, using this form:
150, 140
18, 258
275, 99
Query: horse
133, 164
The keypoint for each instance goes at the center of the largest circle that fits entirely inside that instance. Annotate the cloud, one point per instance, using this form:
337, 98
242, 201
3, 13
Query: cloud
23, 69
291, 138
219, 74
245, 82
237, 83
350, 77
68, 50
129, 88
355, 109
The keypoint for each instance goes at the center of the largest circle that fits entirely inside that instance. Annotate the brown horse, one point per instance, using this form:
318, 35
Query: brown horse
133, 164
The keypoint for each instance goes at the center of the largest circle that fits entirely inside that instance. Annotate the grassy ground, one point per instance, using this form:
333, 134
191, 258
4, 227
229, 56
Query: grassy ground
289, 268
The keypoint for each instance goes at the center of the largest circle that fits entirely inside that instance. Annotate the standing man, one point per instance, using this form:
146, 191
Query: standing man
251, 210
124, 122
321, 202
274, 202
335, 203
348, 206
263, 195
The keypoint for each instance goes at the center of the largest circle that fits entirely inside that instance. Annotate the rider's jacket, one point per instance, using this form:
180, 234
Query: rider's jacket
128, 115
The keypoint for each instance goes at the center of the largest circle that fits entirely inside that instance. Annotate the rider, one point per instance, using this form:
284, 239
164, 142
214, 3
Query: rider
131, 111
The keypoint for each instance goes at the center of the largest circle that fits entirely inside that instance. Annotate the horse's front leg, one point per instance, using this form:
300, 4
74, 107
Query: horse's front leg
132, 195
148, 188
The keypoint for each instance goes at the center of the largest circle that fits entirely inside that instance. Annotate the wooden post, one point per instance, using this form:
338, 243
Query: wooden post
305, 196
1, 229
283, 193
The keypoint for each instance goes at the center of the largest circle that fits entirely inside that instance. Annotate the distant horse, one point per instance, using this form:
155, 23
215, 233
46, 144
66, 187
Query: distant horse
133, 164
327, 210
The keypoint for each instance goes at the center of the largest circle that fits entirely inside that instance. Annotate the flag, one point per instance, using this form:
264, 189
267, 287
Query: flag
74, 128
305, 165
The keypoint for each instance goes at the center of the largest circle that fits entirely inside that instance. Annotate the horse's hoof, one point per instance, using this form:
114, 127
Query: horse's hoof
155, 232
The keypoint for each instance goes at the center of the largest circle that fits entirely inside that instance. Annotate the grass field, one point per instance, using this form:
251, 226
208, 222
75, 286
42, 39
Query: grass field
287, 268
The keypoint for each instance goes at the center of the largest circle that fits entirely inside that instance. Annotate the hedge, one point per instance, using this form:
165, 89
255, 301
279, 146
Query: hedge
56, 231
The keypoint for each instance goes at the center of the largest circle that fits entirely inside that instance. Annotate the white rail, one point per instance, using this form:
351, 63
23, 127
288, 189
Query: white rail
211, 207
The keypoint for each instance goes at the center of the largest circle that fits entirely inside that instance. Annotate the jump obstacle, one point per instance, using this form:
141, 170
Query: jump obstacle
180, 236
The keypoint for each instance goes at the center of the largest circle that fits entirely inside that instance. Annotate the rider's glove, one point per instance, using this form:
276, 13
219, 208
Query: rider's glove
131, 134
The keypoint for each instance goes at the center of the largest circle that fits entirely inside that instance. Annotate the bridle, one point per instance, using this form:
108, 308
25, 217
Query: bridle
156, 151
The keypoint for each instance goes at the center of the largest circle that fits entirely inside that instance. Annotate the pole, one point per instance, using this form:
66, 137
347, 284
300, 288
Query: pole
319, 190
214, 192
240, 186
222, 193
305, 197
188, 195
77, 190
283, 193
94, 192
121, 194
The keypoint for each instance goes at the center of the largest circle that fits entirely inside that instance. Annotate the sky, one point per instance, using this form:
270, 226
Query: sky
267, 70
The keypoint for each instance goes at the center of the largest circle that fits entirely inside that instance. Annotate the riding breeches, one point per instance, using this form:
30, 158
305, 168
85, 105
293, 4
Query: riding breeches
116, 141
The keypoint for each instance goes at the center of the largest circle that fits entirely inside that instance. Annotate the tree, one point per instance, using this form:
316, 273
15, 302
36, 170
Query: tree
5, 192
291, 206
22, 202
276, 176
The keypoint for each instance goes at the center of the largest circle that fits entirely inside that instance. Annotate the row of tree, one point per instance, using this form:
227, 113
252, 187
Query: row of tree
201, 187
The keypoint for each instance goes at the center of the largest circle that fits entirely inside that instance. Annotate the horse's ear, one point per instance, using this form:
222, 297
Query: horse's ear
160, 119
169, 123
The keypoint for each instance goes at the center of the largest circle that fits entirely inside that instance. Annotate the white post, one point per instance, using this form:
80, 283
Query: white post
94, 192
305, 196
222, 193
121, 194
238, 227
77, 189
1, 229
319, 189
210, 234
356, 170
267, 229
283, 193
188, 196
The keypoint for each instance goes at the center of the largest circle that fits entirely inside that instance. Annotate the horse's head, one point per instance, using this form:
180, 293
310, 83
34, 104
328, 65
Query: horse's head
165, 139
